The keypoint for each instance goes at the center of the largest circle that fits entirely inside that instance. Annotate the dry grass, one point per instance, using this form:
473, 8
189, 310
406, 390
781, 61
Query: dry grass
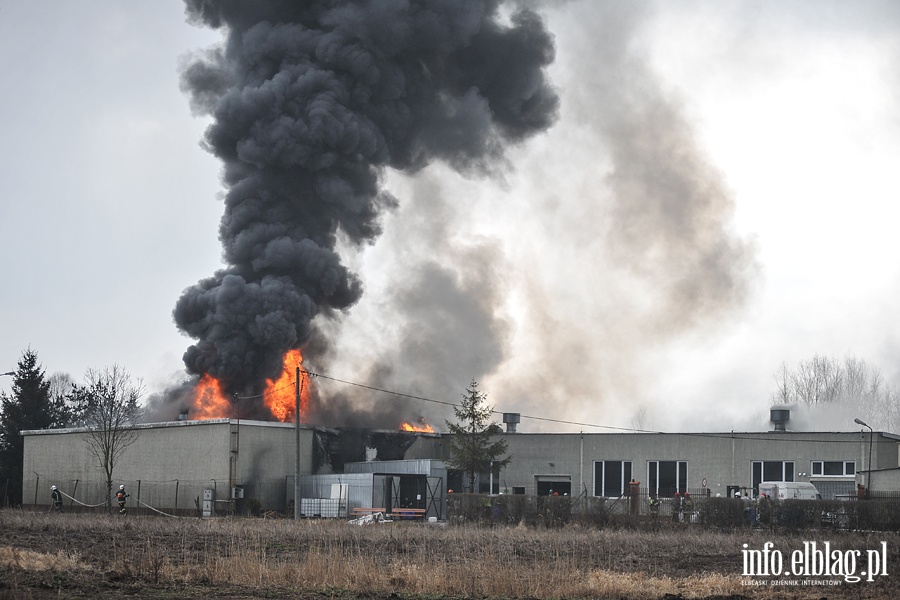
408, 558
60, 560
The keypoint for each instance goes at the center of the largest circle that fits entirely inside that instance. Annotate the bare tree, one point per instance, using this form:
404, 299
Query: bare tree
639, 419
60, 396
837, 392
784, 392
856, 380
817, 381
108, 406
884, 405
891, 401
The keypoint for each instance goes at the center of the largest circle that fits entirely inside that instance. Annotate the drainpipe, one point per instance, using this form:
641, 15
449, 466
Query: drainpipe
732, 457
581, 464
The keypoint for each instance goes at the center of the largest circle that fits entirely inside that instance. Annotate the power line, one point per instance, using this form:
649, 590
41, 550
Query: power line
775, 437
375, 389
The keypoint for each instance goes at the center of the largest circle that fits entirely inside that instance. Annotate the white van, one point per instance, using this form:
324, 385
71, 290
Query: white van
789, 490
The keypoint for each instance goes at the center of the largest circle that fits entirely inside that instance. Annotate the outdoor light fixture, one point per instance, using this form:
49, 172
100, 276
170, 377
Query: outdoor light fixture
869, 466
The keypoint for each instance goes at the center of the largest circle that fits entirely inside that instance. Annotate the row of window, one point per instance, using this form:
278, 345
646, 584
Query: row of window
665, 477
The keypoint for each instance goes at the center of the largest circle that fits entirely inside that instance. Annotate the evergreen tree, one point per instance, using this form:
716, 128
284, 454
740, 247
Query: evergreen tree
472, 447
29, 406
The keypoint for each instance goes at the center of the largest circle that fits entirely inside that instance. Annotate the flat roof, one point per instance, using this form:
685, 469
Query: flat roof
770, 434
185, 423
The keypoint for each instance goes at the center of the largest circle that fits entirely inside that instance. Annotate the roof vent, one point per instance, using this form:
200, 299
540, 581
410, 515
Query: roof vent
779, 416
511, 420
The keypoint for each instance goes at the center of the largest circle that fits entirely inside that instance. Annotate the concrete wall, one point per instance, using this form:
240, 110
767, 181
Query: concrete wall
887, 480
182, 458
170, 464
266, 457
721, 459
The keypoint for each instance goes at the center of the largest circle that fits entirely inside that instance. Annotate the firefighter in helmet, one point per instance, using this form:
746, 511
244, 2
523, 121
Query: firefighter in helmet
120, 498
56, 496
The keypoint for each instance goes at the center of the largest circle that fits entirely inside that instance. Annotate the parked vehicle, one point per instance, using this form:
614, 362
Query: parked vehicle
789, 490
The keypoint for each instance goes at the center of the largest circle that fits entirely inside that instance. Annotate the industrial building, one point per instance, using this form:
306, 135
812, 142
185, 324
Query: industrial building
603, 464
223, 466
250, 464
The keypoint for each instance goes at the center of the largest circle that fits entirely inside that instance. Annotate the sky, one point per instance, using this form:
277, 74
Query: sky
716, 198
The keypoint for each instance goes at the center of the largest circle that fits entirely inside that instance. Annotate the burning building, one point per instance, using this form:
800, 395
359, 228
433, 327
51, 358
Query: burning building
171, 464
310, 103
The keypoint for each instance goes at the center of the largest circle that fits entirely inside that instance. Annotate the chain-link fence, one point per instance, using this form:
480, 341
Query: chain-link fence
693, 509
638, 508
272, 497
177, 497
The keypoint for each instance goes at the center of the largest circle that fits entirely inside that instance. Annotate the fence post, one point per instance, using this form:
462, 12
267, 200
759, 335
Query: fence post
74, 491
139, 494
37, 484
634, 490
176, 495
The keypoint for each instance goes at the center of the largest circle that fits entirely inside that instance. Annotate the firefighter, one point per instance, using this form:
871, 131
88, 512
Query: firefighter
687, 504
56, 496
676, 507
120, 498
748, 508
654, 512
765, 510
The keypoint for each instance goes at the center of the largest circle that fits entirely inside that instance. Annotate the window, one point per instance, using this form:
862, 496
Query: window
771, 470
489, 483
833, 468
553, 485
611, 477
665, 477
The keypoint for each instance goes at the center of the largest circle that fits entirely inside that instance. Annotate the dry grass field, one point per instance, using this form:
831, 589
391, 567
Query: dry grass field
95, 556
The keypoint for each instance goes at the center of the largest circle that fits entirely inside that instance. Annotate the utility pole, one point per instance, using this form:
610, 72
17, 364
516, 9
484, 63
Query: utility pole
299, 387
869, 466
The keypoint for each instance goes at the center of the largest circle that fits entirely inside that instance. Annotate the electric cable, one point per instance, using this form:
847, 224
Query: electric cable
775, 437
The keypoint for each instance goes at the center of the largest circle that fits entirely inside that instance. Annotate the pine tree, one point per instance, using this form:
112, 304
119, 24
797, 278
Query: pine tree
472, 447
30, 406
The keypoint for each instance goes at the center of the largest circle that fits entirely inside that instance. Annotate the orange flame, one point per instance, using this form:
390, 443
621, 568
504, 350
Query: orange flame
422, 426
210, 401
280, 395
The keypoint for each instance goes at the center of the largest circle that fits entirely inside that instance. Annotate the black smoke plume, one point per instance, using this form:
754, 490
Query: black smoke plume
311, 102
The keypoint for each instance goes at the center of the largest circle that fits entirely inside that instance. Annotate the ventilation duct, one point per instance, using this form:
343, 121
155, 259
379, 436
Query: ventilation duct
779, 417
